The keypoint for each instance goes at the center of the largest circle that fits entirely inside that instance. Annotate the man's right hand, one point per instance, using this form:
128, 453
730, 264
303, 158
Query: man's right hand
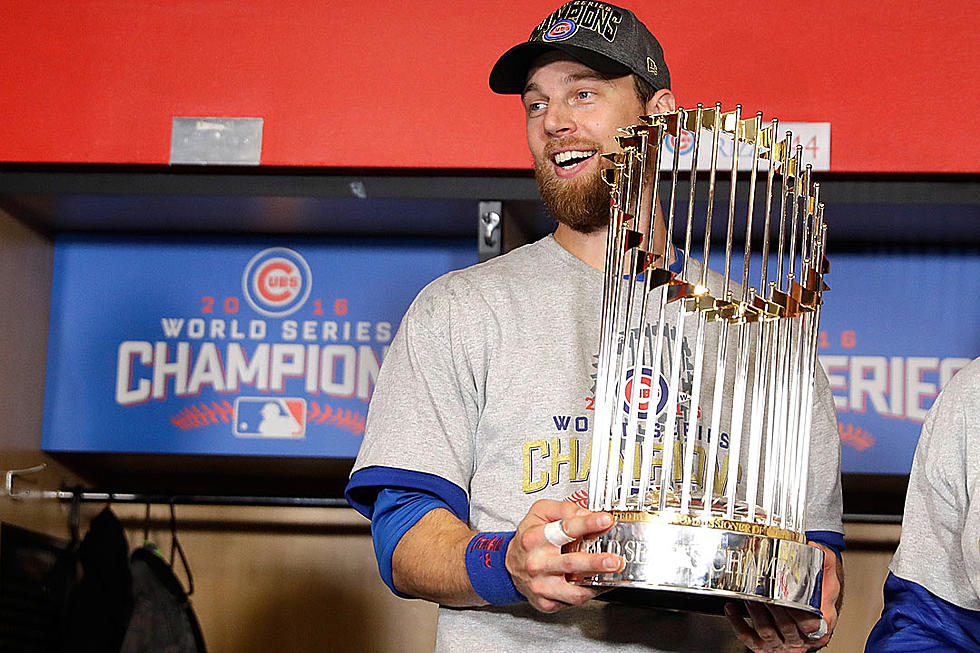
538, 567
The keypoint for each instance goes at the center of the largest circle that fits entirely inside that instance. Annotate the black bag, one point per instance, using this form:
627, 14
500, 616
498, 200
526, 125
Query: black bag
101, 603
162, 620
133, 605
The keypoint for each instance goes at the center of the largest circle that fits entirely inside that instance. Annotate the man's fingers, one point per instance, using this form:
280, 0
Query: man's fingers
774, 628
787, 626
583, 563
589, 523
546, 577
745, 634
558, 595
555, 533
547, 510
814, 630
805, 622
577, 522
763, 624
537, 564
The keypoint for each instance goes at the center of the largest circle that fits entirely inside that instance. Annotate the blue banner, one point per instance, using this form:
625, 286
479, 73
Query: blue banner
894, 328
234, 348
267, 348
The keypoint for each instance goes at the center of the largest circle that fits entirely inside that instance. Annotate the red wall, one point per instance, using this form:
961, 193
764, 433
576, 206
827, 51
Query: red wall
403, 84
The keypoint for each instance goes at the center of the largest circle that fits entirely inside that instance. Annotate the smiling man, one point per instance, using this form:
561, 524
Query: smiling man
573, 112
475, 458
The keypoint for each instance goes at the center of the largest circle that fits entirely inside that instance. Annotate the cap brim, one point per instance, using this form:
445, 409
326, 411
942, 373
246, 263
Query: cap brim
509, 74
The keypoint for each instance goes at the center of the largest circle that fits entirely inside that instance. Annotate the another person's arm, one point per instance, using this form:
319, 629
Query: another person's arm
915, 619
932, 595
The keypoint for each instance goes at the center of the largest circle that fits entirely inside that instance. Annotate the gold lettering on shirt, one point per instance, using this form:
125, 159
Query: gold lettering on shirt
535, 451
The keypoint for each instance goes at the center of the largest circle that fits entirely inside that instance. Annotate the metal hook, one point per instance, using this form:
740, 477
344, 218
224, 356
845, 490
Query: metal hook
491, 220
25, 494
175, 546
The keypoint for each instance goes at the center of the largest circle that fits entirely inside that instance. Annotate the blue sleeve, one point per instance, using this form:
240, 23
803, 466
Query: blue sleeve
830, 539
364, 485
915, 619
396, 511
394, 500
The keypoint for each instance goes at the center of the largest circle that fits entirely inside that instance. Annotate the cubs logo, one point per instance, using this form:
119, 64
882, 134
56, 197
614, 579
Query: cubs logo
647, 393
560, 31
686, 144
277, 281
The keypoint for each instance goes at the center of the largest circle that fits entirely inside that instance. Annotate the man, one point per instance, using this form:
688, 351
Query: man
932, 595
478, 428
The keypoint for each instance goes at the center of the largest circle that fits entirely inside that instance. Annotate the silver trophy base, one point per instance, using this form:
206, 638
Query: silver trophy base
700, 568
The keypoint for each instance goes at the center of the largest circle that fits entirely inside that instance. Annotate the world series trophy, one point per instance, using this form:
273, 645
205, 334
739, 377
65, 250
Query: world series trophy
699, 528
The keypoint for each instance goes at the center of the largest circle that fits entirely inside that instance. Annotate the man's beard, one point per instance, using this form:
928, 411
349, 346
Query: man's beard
581, 203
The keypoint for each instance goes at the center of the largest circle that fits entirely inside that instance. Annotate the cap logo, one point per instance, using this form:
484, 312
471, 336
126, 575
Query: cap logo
651, 66
596, 17
560, 31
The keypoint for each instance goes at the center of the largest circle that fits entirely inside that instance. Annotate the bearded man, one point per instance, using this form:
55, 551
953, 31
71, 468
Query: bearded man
478, 433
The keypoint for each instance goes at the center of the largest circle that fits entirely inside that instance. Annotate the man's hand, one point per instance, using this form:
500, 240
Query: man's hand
538, 567
781, 630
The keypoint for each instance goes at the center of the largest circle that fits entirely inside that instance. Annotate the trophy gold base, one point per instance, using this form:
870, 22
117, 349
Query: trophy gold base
700, 568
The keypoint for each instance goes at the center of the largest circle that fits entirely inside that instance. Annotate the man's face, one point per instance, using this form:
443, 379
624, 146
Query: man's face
572, 114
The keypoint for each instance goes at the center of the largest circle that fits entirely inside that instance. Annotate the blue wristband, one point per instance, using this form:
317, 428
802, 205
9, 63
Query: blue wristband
485, 556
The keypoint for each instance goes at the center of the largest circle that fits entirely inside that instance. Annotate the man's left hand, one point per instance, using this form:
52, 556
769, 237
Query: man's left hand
782, 630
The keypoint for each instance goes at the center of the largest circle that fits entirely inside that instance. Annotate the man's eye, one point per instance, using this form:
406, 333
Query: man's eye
535, 107
585, 95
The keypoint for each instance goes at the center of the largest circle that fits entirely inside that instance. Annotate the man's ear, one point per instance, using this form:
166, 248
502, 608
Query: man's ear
661, 102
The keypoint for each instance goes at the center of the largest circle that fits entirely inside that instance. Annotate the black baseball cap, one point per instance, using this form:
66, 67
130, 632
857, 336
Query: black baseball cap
606, 38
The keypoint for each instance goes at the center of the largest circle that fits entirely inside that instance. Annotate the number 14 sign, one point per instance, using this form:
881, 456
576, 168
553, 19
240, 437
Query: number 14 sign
814, 137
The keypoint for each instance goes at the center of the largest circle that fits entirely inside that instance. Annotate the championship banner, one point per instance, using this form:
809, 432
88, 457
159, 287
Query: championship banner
897, 326
892, 333
227, 347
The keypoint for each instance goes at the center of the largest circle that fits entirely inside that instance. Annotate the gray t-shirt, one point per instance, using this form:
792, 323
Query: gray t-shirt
940, 545
489, 384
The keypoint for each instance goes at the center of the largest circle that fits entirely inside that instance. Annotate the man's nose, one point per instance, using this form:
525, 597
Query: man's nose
559, 120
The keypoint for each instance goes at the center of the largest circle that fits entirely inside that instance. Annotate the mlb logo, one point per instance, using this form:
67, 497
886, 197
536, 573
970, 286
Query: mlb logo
270, 417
